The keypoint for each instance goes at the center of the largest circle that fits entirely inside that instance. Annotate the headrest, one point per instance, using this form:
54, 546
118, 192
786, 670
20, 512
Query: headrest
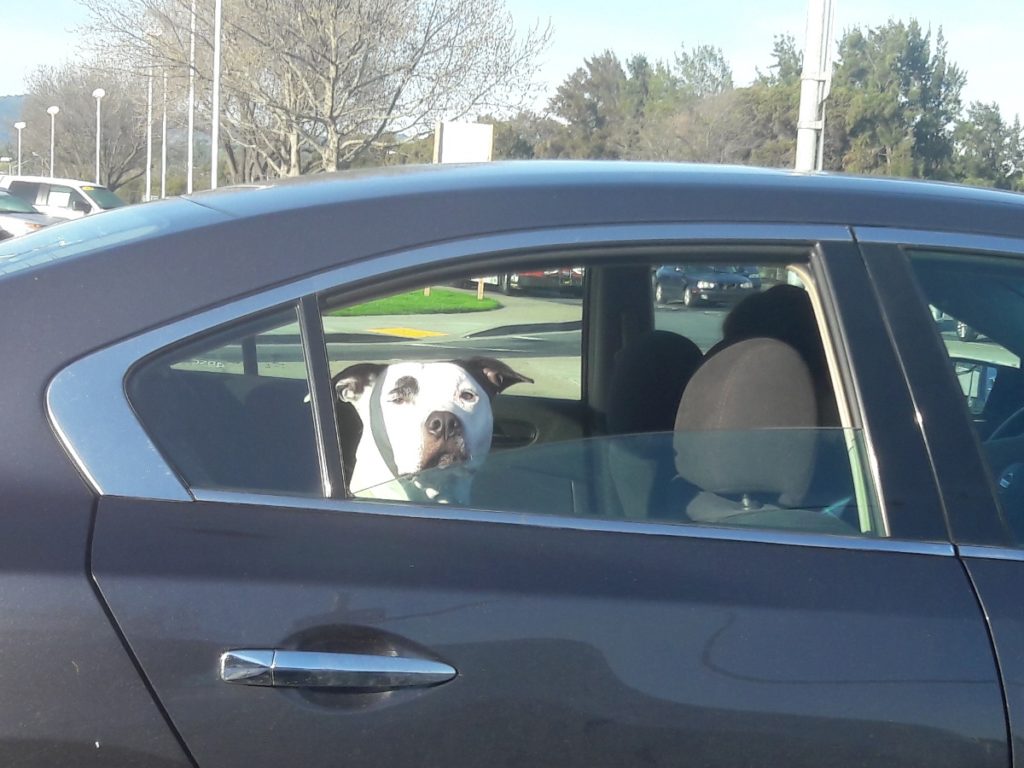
746, 422
649, 377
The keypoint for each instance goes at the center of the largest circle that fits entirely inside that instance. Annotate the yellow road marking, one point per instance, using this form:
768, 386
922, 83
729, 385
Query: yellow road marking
406, 333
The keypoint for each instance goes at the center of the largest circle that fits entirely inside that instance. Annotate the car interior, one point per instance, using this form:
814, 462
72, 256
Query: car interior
726, 416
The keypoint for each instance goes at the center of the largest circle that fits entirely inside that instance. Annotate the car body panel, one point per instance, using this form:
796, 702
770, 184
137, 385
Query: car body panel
724, 665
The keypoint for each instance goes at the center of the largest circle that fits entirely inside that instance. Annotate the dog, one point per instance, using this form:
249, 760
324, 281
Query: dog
418, 416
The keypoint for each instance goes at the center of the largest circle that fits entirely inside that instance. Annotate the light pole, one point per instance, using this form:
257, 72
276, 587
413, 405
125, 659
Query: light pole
98, 94
42, 162
20, 126
154, 33
52, 112
147, 196
215, 132
163, 144
191, 99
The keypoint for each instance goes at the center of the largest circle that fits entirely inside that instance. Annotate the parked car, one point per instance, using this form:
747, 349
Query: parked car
555, 279
767, 534
18, 217
703, 284
62, 198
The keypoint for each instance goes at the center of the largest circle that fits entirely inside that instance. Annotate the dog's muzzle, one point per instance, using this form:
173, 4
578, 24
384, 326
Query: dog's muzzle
444, 443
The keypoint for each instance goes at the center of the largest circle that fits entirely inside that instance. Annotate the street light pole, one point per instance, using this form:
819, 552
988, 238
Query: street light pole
815, 82
19, 126
52, 112
191, 98
163, 144
215, 132
98, 94
147, 196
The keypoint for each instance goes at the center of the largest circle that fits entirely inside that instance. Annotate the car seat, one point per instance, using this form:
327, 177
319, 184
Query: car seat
650, 374
784, 312
746, 440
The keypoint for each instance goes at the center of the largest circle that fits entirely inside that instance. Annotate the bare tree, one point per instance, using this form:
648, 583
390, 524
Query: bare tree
122, 134
315, 84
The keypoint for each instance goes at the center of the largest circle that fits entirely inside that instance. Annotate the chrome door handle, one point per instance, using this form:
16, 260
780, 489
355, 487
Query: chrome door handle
312, 669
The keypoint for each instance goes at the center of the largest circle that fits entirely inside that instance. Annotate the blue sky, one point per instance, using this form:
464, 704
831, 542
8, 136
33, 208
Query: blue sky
986, 39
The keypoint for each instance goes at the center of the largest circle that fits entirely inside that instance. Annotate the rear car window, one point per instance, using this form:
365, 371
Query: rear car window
231, 411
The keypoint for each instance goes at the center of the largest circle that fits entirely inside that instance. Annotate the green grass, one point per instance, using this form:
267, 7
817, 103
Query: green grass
440, 301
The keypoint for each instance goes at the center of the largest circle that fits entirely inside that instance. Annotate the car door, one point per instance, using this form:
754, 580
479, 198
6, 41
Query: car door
418, 634
973, 279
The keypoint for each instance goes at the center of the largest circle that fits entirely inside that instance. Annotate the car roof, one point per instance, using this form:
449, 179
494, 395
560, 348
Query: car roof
823, 197
49, 180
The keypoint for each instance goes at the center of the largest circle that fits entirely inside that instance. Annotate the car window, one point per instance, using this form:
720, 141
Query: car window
423, 400
103, 197
65, 197
977, 303
469, 392
59, 196
26, 190
231, 411
13, 204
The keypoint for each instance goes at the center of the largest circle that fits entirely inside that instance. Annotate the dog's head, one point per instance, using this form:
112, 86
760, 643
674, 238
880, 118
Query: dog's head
421, 415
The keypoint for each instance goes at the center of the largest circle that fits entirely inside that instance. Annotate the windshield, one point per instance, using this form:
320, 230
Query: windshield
12, 204
103, 197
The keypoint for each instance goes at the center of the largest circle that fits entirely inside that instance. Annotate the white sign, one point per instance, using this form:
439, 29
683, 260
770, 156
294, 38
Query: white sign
463, 142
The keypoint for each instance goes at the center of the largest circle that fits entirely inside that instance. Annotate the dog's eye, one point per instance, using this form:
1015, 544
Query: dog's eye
468, 396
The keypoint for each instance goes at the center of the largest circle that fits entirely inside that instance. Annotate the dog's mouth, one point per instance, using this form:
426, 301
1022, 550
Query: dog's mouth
446, 454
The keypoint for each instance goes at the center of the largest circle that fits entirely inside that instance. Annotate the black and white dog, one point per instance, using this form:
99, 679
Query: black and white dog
418, 416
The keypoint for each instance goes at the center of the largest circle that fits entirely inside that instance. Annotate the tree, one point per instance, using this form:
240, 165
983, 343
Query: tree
703, 71
123, 124
594, 104
894, 101
987, 149
318, 83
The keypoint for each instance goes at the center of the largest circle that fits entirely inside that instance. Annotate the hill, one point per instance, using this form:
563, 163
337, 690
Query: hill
10, 113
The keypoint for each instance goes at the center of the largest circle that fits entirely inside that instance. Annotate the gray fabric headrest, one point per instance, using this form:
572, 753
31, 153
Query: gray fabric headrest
746, 422
650, 375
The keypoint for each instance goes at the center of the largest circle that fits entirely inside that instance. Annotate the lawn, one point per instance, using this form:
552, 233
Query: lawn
440, 301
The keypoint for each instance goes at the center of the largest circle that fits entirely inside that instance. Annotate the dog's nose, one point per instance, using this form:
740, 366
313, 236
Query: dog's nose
443, 425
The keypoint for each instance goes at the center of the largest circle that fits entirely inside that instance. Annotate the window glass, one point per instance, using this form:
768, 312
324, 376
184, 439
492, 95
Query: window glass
26, 190
977, 303
231, 410
103, 197
13, 204
59, 197
484, 431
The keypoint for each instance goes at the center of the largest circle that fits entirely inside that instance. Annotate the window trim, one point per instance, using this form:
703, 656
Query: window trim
87, 403
774, 536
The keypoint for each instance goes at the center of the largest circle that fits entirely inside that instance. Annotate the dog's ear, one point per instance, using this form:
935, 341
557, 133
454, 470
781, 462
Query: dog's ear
493, 375
350, 384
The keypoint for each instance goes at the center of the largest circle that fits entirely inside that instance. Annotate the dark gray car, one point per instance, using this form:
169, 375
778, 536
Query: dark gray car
758, 535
